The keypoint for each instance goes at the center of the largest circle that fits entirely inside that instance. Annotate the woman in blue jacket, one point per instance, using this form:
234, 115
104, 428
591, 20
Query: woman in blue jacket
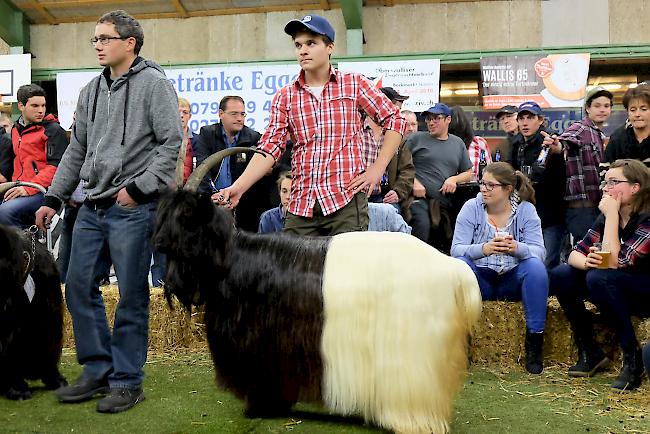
499, 235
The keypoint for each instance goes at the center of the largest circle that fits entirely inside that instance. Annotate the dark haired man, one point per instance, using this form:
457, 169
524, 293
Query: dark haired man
548, 177
38, 143
583, 147
230, 132
321, 111
124, 146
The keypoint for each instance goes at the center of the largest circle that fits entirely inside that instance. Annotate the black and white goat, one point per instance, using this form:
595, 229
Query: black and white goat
371, 324
31, 311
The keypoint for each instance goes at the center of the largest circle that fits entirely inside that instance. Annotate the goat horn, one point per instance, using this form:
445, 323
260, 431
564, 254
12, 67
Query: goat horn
5, 186
213, 160
180, 163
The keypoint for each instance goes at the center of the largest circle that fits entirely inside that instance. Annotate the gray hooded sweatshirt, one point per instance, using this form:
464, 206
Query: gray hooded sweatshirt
127, 135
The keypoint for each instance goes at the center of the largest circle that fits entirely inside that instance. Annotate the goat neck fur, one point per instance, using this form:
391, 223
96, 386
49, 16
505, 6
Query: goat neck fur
370, 324
31, 334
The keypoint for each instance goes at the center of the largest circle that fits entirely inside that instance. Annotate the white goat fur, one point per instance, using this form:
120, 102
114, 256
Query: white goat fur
397, 317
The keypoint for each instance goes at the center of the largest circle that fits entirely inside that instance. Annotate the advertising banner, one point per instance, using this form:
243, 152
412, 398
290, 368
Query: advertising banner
15, 71
419, 79
557, 80
203, 87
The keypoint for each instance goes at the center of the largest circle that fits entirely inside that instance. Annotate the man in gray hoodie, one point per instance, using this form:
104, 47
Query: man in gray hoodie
124, 145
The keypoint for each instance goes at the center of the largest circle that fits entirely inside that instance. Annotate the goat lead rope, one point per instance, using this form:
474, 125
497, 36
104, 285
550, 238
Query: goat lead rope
29, 258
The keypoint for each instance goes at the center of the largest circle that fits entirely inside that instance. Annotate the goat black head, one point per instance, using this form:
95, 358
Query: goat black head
195, 235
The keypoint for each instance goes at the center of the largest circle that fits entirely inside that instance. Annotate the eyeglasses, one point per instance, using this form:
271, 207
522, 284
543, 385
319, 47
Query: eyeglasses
489, 186
234, 114
104, 40
612, 183
435, 118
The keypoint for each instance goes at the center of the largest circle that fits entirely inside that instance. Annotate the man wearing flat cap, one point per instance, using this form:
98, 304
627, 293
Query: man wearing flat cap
507, 118
321, 112
397, 182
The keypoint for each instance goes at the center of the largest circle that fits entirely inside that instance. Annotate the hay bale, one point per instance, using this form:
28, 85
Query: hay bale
169, 330
498, 339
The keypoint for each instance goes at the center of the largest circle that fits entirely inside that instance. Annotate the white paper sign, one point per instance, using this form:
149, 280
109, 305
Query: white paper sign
419, 79
15, 71
203, 87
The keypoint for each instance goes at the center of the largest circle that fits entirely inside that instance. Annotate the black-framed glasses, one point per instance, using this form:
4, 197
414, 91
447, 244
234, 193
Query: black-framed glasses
613, 183
104, 40
489, 186
436, 118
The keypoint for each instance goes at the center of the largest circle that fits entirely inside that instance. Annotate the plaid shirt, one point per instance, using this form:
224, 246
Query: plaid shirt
583, 153
327, 135
635, 242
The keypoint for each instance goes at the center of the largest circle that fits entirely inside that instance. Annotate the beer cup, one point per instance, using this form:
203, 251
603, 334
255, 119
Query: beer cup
602, 249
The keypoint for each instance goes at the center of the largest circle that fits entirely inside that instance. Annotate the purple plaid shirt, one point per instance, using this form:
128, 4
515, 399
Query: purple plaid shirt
635, 242
583, 153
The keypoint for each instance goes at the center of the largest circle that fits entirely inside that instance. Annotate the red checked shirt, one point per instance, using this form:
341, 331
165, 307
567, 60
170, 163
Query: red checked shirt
327, 134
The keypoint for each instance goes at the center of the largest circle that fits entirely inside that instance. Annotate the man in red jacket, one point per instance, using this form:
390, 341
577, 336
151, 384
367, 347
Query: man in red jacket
38, 144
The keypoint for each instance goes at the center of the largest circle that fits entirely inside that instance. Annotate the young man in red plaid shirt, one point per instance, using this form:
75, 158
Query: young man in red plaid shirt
321, 112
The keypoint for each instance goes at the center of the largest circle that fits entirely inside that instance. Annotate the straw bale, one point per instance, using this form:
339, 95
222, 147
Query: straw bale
498, 340
169, 330
499, 337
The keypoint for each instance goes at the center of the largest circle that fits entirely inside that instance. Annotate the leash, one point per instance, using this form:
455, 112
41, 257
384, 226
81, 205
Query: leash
29, 256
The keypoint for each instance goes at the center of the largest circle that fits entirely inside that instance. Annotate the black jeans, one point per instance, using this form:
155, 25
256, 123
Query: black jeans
618, 294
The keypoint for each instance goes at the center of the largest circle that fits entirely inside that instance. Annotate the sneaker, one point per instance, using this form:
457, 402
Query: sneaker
81, 390
120, 399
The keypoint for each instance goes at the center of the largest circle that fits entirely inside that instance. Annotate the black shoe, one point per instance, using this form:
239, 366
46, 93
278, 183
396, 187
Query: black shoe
589, 362
631, 373
81, 390
120, 400
535, 352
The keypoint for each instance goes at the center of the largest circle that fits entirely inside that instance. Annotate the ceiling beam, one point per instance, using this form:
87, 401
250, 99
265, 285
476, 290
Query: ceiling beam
352, 13
63, 4
180, 8
44, 12
203, 13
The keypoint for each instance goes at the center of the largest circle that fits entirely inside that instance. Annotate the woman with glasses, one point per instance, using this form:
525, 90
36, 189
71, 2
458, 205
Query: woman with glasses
611, 268
499, 235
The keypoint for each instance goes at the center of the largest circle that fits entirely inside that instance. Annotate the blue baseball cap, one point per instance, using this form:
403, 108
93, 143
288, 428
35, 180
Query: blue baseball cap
438, 109
530, 107
315, 23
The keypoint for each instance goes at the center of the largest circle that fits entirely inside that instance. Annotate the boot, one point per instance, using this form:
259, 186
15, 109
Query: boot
534, 352
591, 359
631, 373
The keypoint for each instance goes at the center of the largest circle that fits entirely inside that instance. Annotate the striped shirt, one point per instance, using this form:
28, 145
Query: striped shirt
478, 144
327, 135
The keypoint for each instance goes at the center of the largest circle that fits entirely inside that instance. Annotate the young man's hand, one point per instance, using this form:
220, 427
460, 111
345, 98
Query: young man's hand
391, 197
369, 178
15, 192
44, 217
228, 197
